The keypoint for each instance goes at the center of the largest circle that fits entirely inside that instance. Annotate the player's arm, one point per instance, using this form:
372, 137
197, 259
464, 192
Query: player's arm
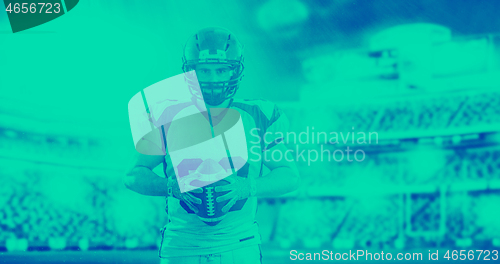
143, 180
284, 176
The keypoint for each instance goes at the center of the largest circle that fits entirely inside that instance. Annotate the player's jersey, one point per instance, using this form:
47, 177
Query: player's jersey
186, 234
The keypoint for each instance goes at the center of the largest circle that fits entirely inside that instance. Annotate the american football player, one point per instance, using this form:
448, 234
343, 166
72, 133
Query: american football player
216, 57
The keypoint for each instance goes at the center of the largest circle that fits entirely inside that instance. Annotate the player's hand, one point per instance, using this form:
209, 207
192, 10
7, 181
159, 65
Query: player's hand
187, 197
238, 187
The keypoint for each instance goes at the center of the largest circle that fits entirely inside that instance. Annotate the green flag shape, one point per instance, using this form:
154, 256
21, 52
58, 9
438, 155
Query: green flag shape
25, 14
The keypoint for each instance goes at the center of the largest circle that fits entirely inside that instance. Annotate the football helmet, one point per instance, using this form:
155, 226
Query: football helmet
213, 46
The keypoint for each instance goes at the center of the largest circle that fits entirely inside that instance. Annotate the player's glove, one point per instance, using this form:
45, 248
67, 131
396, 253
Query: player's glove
187, 197
239, 188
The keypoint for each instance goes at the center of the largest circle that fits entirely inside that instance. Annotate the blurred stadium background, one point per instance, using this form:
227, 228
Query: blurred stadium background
422, 74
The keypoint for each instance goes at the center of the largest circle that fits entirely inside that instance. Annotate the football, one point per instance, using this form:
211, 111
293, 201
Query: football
210, 174
210, 211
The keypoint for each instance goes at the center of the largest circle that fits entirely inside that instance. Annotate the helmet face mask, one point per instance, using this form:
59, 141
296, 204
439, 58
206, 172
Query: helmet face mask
217, 91
214, 46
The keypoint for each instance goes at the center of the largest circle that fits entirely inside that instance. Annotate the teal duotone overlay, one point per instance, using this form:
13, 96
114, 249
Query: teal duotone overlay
431, 181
